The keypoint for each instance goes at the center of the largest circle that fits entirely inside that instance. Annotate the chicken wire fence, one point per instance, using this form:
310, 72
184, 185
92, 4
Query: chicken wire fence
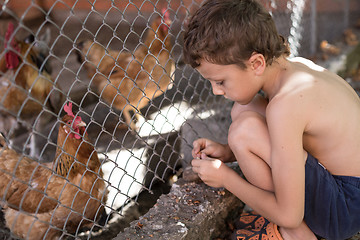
115, 66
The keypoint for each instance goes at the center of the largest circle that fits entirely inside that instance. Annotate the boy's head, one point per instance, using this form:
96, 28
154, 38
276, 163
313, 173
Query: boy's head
229, 32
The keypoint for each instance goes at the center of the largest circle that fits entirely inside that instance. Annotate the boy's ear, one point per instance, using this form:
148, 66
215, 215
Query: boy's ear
257, 63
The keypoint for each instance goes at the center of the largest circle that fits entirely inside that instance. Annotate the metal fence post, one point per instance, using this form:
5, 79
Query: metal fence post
296, 28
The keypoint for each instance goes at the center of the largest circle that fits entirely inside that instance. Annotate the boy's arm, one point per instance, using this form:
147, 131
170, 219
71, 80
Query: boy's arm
286, 118
284, 206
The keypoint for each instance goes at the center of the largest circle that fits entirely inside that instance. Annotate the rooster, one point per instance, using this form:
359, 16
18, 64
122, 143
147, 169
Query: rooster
25, 85
42, 200
128, 82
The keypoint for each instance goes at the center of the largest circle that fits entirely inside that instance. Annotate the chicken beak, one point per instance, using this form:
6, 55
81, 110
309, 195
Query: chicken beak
81, 124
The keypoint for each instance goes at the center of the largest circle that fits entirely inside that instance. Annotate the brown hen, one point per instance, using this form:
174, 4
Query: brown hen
128, 82
43, 200
25, 83
26, 88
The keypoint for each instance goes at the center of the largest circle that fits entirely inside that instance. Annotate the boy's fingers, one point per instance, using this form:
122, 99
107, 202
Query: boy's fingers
195, 150
196, 166
199, 144
196, 162
195, 154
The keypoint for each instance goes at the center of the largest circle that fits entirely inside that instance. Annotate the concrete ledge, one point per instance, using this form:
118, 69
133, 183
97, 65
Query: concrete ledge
190, 211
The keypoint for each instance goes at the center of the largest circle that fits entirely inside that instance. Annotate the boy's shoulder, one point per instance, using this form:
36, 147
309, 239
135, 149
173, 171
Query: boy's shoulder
309, 89
301, 87
297, 78
307, 63
302, 76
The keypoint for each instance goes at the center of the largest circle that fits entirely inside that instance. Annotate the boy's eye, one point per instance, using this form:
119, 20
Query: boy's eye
219, 83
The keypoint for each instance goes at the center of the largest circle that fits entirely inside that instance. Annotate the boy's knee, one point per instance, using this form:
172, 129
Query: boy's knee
238, 110
258, 105
244, 127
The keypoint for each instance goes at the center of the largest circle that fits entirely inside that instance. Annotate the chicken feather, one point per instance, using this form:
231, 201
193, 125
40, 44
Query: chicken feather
44, 199
24, 88
130, 81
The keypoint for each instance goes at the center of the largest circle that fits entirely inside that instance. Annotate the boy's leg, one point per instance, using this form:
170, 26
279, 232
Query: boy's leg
258, 104
300, 233
250, 142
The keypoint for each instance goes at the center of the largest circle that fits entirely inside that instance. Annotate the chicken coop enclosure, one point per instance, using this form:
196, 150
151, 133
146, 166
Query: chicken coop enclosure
98, 110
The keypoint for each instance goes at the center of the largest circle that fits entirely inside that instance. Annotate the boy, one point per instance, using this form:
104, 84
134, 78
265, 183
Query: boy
298, 146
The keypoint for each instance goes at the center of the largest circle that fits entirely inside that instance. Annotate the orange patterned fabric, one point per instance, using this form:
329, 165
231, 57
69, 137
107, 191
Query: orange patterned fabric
252, 226
247, 219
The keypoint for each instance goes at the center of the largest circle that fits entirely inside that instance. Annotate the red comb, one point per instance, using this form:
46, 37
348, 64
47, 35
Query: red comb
76, 121
166, 19
166, 14
68, 109
9, 32
12, 60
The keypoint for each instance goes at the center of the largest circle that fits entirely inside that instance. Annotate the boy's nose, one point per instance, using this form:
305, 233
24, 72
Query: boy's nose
216, 90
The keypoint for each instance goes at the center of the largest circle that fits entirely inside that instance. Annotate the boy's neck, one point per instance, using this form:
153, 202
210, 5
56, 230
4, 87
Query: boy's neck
273, 77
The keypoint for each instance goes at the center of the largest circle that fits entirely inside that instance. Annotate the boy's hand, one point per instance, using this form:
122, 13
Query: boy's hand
212, 149
211, 171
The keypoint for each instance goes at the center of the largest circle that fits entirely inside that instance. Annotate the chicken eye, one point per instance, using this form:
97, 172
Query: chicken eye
69, 122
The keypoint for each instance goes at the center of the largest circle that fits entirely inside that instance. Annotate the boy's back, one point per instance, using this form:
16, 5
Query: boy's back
330, 111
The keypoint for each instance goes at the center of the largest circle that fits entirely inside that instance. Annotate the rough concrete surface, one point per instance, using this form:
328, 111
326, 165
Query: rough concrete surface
191, 210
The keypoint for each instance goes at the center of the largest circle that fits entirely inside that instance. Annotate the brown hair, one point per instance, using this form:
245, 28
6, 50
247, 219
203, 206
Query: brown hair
229, 32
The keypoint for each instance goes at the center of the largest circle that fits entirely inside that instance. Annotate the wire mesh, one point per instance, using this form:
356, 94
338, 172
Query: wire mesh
119, 64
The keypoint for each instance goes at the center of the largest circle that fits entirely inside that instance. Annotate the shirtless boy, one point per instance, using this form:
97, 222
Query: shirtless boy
298, 145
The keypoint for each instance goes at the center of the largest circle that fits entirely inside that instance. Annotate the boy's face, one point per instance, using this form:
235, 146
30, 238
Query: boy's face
231, 81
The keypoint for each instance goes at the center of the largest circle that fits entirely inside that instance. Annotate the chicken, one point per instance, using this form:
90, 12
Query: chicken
328, 49
128, 82
26, 88
41, 200
25, 84
101, 61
